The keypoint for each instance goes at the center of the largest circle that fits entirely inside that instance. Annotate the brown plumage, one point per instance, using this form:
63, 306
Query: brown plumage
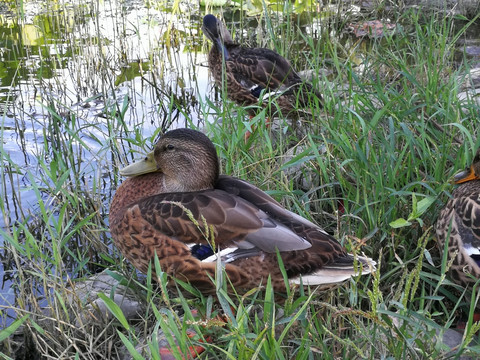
251, 73
459, 224
149, 214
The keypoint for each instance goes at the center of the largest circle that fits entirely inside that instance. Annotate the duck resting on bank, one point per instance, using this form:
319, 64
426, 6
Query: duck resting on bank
458, 225
251, 74
153, 209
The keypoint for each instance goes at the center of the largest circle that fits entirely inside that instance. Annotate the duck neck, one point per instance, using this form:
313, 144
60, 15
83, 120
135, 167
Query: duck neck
221, 48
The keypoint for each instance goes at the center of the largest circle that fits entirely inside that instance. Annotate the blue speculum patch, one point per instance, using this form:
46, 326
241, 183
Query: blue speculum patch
201, 252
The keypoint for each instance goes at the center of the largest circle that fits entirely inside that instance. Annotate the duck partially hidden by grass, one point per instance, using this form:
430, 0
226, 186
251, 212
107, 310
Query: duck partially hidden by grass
176, 192
458, 225
253, 73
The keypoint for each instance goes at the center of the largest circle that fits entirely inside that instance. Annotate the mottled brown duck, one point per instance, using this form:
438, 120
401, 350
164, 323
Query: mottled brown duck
171, 195
458, 225
251, 74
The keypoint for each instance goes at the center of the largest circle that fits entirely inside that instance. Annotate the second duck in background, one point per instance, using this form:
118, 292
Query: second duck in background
252, 74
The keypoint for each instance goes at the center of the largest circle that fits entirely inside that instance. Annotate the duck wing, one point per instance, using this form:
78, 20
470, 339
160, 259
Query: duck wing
234, 221
279, 215
467, 220
263, 201
459, 224
325, 250
257, 69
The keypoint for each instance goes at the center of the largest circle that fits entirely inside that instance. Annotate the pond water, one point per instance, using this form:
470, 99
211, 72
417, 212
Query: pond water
99, 70
52, 55
50, 60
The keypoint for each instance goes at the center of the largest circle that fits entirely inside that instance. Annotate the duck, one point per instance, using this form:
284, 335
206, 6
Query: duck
254, 74
458, 226
174, 201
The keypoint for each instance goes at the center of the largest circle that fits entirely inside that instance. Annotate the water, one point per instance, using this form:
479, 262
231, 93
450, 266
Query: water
86, 63
43, 65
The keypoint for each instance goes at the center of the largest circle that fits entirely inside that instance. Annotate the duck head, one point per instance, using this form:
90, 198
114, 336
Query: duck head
185, 158
470, 173
217, 33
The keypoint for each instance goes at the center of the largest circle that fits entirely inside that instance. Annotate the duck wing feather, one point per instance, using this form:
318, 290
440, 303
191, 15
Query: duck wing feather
260, 67
277, 213
235, 221
467, 216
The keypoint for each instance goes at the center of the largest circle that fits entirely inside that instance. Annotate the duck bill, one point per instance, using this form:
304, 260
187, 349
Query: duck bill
207, 33
145, 166
465, 176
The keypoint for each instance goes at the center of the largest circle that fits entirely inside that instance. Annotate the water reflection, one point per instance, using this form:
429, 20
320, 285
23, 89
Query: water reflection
92, 66
85, 75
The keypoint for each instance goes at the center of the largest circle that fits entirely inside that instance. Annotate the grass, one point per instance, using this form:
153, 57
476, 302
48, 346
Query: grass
393, 130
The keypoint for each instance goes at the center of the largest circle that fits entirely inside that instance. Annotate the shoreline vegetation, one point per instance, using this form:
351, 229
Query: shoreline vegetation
372, 167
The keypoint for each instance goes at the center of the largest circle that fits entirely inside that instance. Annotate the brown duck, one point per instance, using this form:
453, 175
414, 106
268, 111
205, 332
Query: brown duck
175, 194
459, 224
254, 73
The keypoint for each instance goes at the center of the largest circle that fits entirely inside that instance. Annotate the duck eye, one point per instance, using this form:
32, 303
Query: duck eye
169, 147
